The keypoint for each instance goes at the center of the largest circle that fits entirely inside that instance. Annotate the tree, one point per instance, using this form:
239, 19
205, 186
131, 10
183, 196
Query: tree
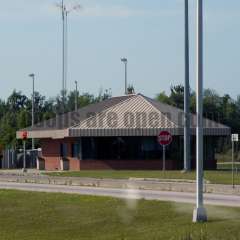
164, 98
17, 101
82, 100
177, 96
222, 109
103, 95
130, 89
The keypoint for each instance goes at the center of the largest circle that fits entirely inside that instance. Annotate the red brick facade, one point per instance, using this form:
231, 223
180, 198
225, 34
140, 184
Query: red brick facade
54, 163
125, 164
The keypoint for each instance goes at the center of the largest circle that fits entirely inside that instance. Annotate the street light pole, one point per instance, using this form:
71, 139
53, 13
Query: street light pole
76, 96
187, 134
199, 214
125, 61
32, 75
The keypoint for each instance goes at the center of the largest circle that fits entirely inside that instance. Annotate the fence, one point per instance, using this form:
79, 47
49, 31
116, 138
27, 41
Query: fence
12, 159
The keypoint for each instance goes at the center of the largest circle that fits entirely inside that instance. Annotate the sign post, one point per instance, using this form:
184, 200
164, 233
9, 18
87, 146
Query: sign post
234, 139
24, 138
164, 139
164, 158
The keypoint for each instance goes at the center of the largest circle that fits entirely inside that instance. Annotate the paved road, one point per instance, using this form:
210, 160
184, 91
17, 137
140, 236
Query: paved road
211, 199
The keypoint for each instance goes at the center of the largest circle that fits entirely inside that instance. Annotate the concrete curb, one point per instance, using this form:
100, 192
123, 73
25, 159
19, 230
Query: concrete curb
133, 183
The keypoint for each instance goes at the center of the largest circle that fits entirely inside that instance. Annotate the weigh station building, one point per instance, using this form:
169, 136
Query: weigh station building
121, 133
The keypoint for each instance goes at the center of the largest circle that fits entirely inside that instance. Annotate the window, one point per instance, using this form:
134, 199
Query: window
75, 150
63, 150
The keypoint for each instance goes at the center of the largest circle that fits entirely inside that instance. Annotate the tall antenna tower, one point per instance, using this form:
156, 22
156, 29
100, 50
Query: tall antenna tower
65, 10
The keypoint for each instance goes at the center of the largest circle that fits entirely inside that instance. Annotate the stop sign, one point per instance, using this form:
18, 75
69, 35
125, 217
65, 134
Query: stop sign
164, 138
24, 135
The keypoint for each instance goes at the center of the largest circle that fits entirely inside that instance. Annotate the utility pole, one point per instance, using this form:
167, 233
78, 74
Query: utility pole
32, 75
199, 214
187, 133
125, 61
76, 96
63, 55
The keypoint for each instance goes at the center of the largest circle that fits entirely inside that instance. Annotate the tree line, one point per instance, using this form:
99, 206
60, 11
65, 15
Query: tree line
222, 109
15, 111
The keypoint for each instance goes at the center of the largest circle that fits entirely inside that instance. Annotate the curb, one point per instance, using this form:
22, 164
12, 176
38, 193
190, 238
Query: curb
132, 183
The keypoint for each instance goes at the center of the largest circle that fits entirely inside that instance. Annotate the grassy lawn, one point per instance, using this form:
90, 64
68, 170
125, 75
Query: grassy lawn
218, 177
228, 166
50, 216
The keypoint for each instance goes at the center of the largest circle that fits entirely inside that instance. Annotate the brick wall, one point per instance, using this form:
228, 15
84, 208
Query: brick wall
74, 164
51, 155
53, 163
125, 164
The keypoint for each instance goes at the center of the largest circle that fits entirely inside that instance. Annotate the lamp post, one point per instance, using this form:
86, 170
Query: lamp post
187, 134
199, 214
125, 61
76, 96
32, 75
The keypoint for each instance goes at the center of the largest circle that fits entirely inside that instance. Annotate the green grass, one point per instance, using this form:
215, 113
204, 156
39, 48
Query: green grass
51, 216
218, 177
227, 156
228, 166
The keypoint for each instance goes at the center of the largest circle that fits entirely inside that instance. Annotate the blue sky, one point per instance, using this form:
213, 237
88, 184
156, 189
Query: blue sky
148, 32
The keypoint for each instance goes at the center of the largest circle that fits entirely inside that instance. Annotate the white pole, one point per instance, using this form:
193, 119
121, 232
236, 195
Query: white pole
233, 183
164, 158
24, 156
66, 51
76, 96
187, 156
63, 56
199, 214
33, 96
126, 92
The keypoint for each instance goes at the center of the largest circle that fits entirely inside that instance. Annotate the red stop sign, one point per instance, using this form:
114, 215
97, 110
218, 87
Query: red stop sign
165, 138
24, 135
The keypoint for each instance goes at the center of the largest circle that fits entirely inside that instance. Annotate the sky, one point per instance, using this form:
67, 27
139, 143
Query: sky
150, 33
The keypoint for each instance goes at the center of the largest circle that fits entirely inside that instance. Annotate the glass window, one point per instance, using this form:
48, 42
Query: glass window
75, 150
63, 150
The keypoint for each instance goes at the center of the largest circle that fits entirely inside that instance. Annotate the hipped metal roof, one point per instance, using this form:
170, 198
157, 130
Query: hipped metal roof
132, 115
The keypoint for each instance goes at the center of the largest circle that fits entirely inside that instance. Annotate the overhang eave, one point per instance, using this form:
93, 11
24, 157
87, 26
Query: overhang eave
74, 132
54, 134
